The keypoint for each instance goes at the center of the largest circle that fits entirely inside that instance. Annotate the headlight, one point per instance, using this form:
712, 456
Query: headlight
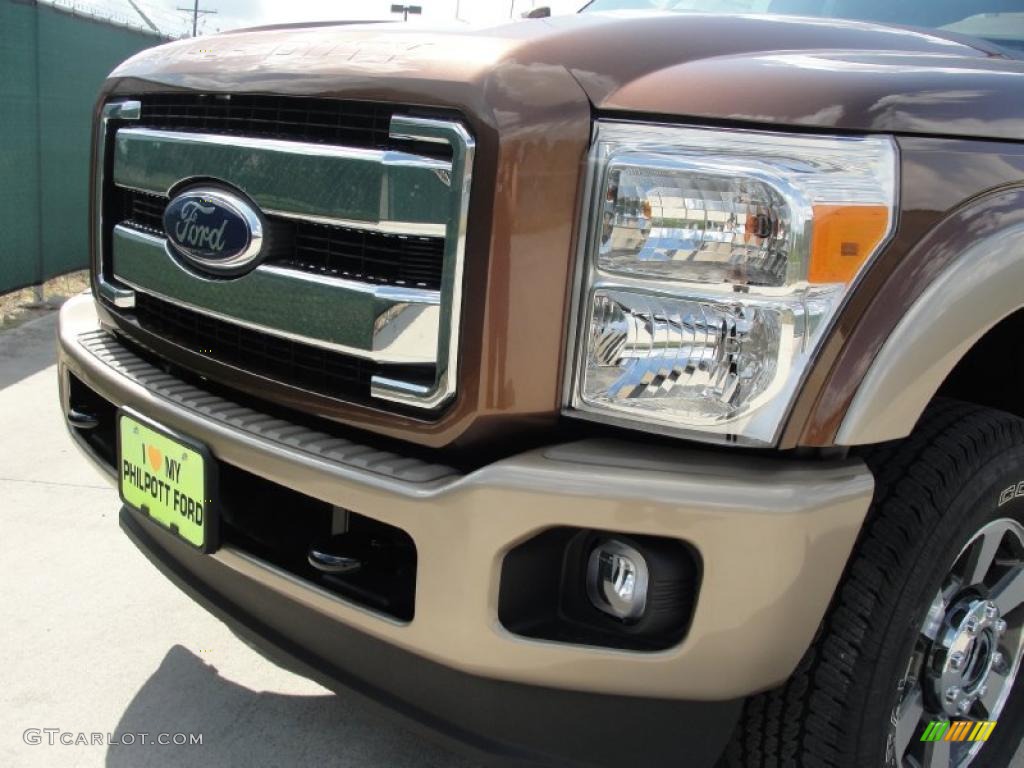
713, 262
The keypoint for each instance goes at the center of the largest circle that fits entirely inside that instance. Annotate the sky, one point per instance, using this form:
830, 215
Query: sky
231, 14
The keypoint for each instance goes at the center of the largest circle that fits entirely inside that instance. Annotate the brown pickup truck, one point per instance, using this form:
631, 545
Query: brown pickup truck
633, 387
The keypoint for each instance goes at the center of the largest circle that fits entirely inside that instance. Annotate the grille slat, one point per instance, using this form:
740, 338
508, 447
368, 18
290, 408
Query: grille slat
299, 365
338, 251
298, 118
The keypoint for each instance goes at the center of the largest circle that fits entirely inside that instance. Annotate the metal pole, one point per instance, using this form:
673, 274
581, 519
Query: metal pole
195, 10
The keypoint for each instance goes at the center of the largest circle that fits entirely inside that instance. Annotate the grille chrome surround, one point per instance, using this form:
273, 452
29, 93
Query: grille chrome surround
382, 191
110, 115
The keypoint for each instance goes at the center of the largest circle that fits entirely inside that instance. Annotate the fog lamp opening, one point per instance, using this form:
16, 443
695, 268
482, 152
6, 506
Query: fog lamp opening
601, 588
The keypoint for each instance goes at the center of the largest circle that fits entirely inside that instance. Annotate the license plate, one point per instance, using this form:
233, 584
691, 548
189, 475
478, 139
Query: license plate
167, 477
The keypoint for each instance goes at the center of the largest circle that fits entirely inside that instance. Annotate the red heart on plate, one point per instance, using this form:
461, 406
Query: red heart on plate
156, 459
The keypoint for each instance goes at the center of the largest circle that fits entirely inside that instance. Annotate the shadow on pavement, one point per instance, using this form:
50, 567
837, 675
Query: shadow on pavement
27, 349
244, 727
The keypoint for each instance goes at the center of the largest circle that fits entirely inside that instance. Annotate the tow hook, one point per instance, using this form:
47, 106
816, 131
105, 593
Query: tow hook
80, 419
334, 557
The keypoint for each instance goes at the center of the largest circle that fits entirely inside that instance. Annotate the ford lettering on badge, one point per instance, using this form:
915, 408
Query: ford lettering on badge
214, 231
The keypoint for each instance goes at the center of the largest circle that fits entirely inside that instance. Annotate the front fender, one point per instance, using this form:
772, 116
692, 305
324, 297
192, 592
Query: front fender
977, 288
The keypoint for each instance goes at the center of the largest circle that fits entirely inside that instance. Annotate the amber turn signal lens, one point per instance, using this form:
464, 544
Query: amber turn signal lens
844, 237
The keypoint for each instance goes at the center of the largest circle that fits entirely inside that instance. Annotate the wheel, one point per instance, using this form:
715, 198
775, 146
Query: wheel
927, 625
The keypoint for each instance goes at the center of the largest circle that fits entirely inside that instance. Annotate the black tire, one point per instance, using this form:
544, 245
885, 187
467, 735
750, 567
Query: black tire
934, 491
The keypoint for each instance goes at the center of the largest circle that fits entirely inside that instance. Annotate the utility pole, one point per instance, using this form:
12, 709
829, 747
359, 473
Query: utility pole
195, 10
405, 10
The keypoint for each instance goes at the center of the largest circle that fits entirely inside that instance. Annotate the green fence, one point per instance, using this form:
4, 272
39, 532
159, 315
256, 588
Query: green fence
52, 63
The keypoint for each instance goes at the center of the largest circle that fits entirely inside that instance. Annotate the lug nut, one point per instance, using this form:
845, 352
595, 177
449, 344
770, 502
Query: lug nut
1001, 627
983, 692
991, 610
952, 694
956, 661
965, 706
971, 626
998, 661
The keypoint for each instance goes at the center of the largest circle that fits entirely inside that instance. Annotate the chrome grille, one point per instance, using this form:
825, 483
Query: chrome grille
365, 277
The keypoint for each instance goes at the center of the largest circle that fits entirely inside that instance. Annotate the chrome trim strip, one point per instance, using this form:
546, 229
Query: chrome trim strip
387, 191
123, 110
410, 228
311, 149
396, 389
118, 110
401, 228
393, 293
463, 152
406, 134
122, 298
396, 325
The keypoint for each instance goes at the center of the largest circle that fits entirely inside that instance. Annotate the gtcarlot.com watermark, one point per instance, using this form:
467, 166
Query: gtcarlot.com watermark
58, 736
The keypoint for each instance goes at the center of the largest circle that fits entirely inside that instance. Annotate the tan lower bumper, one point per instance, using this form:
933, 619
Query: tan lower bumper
774, 536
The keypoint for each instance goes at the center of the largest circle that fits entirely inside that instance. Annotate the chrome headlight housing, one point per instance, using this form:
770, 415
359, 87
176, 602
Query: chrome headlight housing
712, 264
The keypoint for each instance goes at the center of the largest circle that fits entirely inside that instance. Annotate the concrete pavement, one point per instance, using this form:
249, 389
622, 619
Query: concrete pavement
95, 640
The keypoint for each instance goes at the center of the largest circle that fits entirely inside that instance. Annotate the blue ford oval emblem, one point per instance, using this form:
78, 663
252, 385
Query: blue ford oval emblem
214, 230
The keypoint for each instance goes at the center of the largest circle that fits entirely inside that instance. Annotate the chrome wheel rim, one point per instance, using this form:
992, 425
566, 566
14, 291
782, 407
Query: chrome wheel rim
967, 653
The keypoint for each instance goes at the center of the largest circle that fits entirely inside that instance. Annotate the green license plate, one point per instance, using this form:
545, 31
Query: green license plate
167, 477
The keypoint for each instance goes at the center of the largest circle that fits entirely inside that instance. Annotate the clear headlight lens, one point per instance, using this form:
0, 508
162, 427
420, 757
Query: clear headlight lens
693, 224
713, 264
650, 352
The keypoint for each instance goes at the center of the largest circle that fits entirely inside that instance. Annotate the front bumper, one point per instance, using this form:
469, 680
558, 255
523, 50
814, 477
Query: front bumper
774, 536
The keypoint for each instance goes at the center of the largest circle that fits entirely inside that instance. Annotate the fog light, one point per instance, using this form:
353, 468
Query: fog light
617, 580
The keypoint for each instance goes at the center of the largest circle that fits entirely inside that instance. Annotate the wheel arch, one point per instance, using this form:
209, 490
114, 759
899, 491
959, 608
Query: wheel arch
976, 298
